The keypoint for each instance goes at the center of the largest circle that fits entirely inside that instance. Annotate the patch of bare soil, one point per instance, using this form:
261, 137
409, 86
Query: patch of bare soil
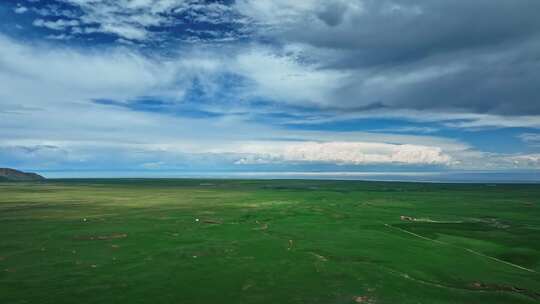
426, 220
291, 245
406, 218
363, 299
102, 237
263, 227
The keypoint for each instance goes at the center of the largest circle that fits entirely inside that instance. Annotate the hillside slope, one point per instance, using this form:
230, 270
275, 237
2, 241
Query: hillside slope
7, 174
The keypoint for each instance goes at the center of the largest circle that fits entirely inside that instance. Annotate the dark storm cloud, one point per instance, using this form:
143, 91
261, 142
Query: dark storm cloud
332, 13
392, 31
479, 56
492, 80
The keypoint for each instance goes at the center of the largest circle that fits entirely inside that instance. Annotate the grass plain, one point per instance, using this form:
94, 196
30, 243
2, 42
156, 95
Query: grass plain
268, 241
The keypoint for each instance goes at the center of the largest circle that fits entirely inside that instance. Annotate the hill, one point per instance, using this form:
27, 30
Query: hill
7, 174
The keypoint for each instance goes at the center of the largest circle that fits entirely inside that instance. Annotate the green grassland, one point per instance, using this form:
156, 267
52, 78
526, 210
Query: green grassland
268, 241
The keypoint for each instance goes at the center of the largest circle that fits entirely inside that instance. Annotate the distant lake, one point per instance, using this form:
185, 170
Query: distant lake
443, 177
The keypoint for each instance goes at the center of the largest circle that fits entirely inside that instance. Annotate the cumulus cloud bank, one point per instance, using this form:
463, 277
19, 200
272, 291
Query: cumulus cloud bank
350, 153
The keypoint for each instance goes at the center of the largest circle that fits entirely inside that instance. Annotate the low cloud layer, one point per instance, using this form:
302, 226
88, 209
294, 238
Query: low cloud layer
343, 153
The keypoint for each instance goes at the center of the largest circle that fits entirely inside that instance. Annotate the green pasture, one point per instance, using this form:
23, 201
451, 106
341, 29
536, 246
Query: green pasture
268, 241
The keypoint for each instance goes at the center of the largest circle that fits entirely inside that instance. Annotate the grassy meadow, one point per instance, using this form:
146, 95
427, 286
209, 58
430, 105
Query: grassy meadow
268, 241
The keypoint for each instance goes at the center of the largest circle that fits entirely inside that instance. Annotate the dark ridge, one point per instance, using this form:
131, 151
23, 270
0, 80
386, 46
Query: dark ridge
12, 175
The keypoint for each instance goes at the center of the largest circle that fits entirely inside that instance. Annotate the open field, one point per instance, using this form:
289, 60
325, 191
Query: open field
264, 241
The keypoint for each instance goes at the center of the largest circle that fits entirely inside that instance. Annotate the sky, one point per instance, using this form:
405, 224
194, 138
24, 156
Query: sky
270, 85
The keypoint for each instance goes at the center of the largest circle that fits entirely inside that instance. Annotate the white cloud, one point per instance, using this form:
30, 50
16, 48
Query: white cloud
59, 37
275, 12
37, 74
126, 19
132, 19
500, 161
530, 138
458, 120
20, 9
417, 130
125, 31
280, 14
58, 25
526, 160
283, 78
350, 153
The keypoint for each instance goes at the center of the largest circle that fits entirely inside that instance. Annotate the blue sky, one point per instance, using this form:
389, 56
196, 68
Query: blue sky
269, 85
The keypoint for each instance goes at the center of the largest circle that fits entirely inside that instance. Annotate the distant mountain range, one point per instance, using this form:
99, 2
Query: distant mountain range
7, 174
